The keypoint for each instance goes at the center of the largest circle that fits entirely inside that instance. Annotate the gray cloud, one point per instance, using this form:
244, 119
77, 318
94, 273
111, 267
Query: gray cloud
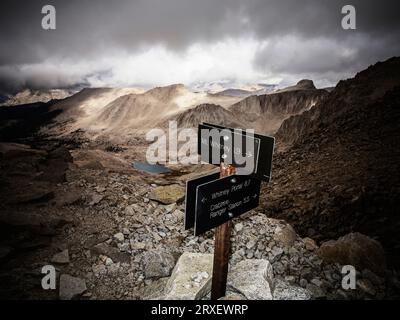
94, 38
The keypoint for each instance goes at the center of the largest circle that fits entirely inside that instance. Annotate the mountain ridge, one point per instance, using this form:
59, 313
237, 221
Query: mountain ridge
267, 112
370, 84
336, 169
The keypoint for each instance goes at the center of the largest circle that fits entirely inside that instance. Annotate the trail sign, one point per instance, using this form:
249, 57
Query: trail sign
221, 200
250, 153
214, 200
190, 199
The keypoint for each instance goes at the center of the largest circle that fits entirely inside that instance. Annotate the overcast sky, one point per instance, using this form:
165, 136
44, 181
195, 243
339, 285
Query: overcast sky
160, 42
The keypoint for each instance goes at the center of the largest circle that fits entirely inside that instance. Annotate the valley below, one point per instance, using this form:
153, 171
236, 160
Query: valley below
70, 195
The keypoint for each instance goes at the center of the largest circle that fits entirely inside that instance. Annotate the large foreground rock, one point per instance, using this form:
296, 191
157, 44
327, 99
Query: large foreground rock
253, 278
250, 279
71, 287
355, 249
168, 194
191, 278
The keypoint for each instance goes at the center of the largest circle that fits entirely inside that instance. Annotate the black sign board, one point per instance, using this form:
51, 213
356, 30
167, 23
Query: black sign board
216, 145
221, 200
190, 199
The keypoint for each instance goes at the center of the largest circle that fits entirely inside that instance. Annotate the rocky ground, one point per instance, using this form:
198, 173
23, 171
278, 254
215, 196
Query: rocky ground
115, 233
74, 201
340, 172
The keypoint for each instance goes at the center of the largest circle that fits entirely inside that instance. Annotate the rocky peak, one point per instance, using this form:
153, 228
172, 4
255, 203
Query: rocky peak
168, 92
306, 84
207, 113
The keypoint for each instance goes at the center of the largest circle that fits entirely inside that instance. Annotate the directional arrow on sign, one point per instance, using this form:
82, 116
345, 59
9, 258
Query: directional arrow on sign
223, 199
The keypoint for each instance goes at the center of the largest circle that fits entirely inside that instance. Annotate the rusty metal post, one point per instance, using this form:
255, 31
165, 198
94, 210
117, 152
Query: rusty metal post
222, 246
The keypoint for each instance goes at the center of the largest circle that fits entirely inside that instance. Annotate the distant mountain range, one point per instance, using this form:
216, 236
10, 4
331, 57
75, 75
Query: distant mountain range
231, 88
120, 113
257, 90
27, 96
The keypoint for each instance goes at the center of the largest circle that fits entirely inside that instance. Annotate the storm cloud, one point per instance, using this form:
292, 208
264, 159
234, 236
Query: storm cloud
158, 42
